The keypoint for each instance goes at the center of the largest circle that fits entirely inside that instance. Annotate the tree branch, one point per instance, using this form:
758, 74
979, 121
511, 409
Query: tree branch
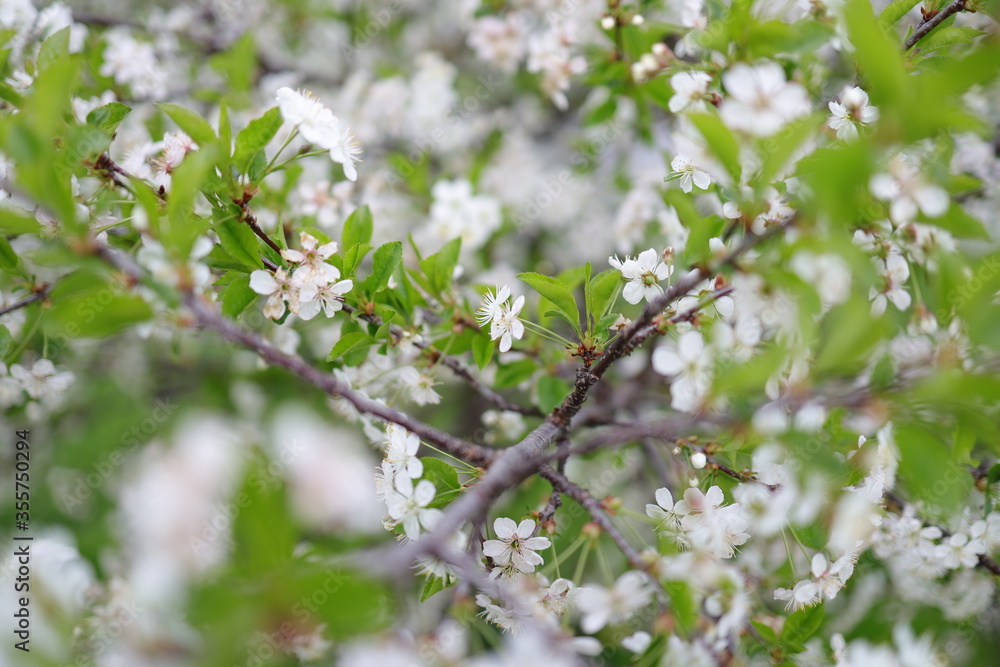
940, 17
562, 484
39, 294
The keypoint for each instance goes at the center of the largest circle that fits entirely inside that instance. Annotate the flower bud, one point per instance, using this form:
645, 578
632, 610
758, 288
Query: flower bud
608, 22
698, 460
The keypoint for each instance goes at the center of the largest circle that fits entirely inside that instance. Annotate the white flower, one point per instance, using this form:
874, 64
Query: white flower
828, 273
278, 288
42, 381
637, 642
690, 364
314, 120
760, 100
958, 551
344, 151
515, 546
601, 606
420, 385
313, 266
804, 594
830, 578
507, 326
401, 451
690, 174
663, 511
907, 191
643, 275
491, 307
851, 111
408, 506
175, 146
329, 297
690, 89
895, 272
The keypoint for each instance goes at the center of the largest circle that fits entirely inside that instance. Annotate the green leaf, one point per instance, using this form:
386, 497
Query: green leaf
262, 532
255, 137
803, 624
348, 343
683, 603
434, 585
556, 292
514, 373
53, 49
440, 267
948, 36
12, 222
720, 140
603, 288
357, 228
240, 242
186, 184
961, 224
482, 350
10, 261
993, 476
237, 296
190, 121
927, 469
780, 148
108, 117
5, 340
385, 261
353, 257
551, 392
445, 480
87, 305
850, 332
879, 58
896, 10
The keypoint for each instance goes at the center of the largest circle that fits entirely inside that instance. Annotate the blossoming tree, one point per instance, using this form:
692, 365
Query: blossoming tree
551, 332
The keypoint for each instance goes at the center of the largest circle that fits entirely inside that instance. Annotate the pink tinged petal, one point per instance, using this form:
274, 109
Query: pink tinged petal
664, 499
633, 292
505, 528
525, 528
262, 282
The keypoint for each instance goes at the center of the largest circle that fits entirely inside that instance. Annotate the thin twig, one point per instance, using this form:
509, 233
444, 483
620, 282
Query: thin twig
562, 484
39, 294
943, 15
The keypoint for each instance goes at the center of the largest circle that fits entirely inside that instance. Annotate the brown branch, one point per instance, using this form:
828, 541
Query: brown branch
562, 484
934, 21
456, 366
40, 293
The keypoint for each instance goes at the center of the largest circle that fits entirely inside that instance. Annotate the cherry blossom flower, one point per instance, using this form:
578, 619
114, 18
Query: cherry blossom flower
690, 174
908, 192
328, 297
42, 381
313, 266
690, 366
690, 91
515, 546
850, 112
895, 272
663, 512
603, 606
420, 385
491, 307
407, 505
317, 125
805, 593
279, 288
507, 326
643, 275
401, 451
760, 100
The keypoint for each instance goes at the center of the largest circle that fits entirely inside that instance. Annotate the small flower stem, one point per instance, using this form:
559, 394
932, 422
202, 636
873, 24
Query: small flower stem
788, 552
291, 137
545, 333
555, 559
297, 156
605, 565
581, 562
470, 468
